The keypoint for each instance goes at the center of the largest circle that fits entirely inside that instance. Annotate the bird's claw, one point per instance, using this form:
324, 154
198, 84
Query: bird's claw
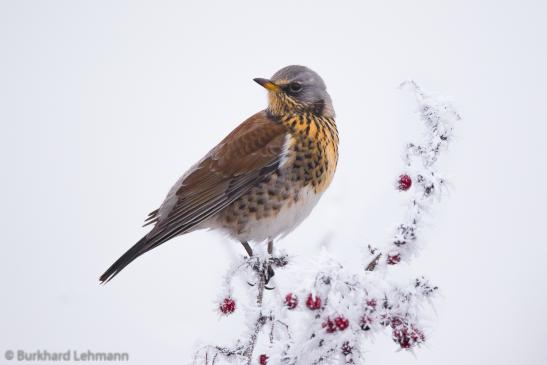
268, 275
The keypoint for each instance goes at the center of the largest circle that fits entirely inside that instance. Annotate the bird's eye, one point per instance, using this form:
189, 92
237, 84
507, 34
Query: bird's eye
295, 87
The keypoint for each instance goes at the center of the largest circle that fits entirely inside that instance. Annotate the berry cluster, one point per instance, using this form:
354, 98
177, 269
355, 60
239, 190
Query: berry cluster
406, 335
339, 323
313, 303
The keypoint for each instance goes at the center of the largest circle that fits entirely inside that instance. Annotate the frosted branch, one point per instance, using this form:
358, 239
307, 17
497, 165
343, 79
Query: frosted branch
332, 319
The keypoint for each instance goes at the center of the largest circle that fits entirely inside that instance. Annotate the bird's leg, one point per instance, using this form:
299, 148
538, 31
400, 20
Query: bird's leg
247, 248
269, 273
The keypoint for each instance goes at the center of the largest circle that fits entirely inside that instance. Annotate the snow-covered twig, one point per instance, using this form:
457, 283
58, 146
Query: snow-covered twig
421, 180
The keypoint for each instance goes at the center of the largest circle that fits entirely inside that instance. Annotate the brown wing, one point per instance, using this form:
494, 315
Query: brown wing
249, 154
245, 157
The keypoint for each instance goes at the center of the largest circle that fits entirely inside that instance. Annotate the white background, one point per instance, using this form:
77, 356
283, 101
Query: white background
103, 104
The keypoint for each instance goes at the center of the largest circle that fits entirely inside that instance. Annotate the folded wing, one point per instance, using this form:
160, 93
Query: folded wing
244, 158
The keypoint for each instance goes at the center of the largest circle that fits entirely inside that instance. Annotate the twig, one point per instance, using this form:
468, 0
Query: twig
372, 265
261, 320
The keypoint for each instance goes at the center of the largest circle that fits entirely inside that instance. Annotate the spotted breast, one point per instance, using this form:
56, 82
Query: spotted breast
279, 203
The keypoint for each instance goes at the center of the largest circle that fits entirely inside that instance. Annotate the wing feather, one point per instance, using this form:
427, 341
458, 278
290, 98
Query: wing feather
244, 158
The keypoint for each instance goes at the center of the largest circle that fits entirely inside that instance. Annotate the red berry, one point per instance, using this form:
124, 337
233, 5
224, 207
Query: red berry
393, 259
346, 348
291, 301
263, 359
341, 322
228, 306
329, 326
372, 303
313, 303
404, 183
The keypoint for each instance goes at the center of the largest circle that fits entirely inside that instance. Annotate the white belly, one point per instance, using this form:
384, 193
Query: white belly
291, 214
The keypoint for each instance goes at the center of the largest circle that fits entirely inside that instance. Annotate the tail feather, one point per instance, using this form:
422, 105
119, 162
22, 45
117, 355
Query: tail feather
142, 246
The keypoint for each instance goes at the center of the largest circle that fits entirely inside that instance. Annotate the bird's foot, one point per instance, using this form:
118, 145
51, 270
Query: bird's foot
264, 268
268, 275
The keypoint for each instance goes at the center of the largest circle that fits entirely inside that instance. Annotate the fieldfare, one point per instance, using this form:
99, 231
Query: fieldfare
263, 179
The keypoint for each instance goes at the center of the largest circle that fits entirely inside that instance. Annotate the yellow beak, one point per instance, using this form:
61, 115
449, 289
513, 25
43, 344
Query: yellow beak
267, 84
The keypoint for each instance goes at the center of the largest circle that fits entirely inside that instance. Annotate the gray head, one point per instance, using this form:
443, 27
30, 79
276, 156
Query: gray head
297, 89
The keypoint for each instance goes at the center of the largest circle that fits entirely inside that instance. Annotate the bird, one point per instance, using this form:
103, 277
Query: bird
261, 181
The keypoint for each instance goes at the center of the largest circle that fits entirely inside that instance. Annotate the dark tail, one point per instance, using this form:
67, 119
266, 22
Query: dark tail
138, 249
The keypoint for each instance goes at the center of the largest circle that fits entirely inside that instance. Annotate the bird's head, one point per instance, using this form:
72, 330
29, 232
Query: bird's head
297, 89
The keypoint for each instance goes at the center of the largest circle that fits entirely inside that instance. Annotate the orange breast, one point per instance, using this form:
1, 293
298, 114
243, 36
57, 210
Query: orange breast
313, 152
